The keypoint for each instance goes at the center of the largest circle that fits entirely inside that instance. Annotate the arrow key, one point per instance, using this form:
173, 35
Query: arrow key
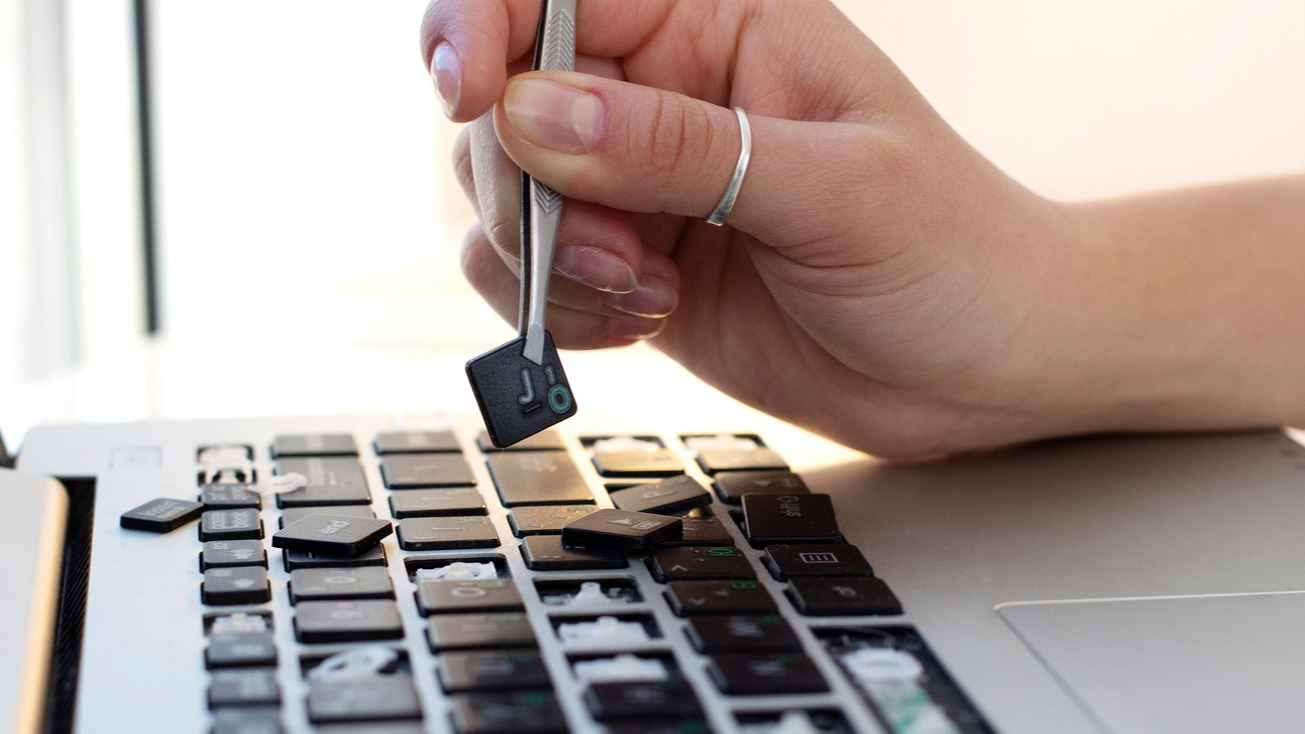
621, 529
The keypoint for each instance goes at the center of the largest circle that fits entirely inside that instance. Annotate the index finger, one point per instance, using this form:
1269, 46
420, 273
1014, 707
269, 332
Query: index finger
478, 39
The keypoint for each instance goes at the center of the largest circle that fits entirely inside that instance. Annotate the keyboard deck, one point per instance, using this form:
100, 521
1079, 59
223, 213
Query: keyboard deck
526, 590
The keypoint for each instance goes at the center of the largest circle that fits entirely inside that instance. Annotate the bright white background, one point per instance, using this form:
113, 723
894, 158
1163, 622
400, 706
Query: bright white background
309, 222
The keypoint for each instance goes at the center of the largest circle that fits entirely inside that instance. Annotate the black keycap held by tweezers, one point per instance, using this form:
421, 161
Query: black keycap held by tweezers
517, 397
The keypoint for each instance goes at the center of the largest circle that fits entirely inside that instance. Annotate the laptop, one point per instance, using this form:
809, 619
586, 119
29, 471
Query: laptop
1115, 584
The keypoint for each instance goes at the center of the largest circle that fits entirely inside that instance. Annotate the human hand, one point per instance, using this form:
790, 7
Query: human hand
879, 282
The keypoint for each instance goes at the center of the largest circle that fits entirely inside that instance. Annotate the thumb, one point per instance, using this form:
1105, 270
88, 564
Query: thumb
643, 149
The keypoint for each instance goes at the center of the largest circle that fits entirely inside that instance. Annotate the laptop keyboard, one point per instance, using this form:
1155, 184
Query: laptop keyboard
684, 583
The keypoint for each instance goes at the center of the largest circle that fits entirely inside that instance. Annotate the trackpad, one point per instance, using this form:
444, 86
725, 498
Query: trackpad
1175, 665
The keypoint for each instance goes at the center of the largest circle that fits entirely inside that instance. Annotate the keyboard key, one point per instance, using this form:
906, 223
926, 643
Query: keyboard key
832, 597
765, 674
318, 496
226, 553
161, 515
241, 524
731, 486
447, 533
347, 621
687, 563
423, 471
537, 478
416, 442
228, 495
363, 582
789, 519
237, 585
733, 453
292, 515
492, 670
826, 559
529, 712
719, 597
314, 444
711, 633
672, 697
332, 480
357, 699
542, 441
487, 595
660, 462
546, 553
295, 559
436, 502
472, 631
243, 687
702, 531
254, 720
545, 519
334, 534
621, 529
688, 725
239, 650
668, 497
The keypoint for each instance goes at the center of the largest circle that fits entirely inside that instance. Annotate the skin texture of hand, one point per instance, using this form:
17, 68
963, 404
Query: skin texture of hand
879, 282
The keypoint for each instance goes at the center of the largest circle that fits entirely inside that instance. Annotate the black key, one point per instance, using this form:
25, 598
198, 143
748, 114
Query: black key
362, 582
711, 633
517, 397
292, 515
357, 699
422, 471
835, 597
765, 674
545, 519
546, 553
484, 595
690, 725
236, 585
688, 563
226, 553
719, 597
240, 524
243, 687
227, 495
339, 535
240, 650
731, 486
702, 531
621, 529
435, 502
295, 559
658, 463
667, 497
816, 560
372, 727
542, 441
473, 631
519, 712
492, 670
347, 621
324, 497
537, 478
416, 442
445, 533
253, 720
789, 519
331, 481
715, 460
314, 444
161, 515
672, 697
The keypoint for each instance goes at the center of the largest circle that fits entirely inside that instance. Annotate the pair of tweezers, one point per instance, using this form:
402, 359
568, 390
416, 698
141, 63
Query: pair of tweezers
541, 207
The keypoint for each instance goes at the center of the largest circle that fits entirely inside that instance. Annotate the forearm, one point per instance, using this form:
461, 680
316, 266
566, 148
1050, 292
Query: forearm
1187, 308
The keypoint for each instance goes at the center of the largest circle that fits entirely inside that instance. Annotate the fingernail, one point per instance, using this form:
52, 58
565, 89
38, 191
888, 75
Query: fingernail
554, 115
596, 268
652, 297
634, 328
447, 70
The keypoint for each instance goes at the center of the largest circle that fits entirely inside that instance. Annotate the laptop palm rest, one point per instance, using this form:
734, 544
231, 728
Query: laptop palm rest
1180, 665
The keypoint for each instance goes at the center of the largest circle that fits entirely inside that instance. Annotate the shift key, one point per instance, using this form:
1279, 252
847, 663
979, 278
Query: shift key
789, 519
